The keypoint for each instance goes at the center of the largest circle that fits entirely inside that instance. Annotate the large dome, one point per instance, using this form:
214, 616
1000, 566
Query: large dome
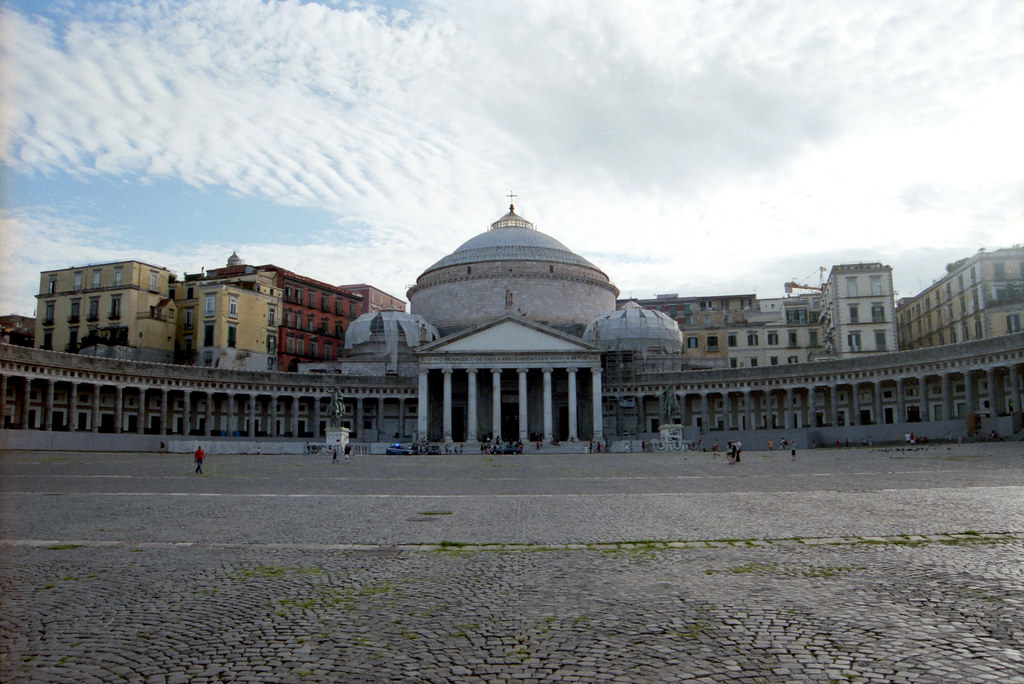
511, 238
512, 269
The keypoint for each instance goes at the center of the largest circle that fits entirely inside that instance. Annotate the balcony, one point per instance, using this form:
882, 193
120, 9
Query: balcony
48, 320
92, 318
114, 315
73, 318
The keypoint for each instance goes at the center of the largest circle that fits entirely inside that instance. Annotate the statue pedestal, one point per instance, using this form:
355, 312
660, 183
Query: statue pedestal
336, 437
672, 438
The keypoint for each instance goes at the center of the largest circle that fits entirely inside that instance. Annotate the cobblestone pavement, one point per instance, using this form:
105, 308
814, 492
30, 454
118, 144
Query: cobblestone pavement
842, 566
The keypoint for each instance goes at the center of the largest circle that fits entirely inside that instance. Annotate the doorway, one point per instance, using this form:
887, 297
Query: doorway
509, 422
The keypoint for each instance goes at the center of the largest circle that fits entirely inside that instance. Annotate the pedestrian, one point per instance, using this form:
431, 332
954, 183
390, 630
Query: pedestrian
200, 457
163, 448
738, 446
334, 459
792, 451
348, 453
771, 445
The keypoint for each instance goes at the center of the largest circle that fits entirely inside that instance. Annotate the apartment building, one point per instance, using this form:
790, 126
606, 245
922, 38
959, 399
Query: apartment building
858, 311
979, 296
119, 309
374, 299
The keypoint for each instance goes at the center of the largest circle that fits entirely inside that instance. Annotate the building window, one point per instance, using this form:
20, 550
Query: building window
812, 338
271, 343
876, 285
189, 318
712, 342
73, 318
272, 316
952, 335
327, 349
1013, 323
48, 339
48, 316
791, 359
309, 322
853, 341
211, 304
325, 303
751, 339
232, 334
78, 280
731, 340
208, 335
773, 360
94, 309
691, 342
353, 310
773, 338
233, 306
977, 330
974, 275
877, 313
854, 314
753, 363
732, 363
312, 299
115, 307
154, 281
851, 287
300, 346
313, 346
96, 277
880, 340
792, 338
323, 325
187, 344
290, 344
51, 285
118, 273
73, 340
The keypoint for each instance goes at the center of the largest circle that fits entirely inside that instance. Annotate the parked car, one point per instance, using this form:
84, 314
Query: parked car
509, 449
433, 449
399, 450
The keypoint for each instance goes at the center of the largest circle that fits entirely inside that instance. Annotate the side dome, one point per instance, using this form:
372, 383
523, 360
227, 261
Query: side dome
385, 333
635, 329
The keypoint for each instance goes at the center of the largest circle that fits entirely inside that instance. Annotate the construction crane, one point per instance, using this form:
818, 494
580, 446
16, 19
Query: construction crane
793, 285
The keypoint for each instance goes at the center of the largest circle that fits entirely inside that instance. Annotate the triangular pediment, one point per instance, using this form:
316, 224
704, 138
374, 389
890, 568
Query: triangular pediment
509, 334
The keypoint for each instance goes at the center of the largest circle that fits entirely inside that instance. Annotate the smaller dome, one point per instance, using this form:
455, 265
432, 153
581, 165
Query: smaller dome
632, 328
392, 328
235, 260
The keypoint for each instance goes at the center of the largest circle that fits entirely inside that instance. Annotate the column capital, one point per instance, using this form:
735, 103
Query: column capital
447, 370
472, 371
547, 370
522, 371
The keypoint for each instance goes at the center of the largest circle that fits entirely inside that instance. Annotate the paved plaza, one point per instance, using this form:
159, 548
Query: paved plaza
850, 565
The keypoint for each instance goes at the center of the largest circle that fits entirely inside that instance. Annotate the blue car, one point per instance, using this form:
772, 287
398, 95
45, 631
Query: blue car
399, 450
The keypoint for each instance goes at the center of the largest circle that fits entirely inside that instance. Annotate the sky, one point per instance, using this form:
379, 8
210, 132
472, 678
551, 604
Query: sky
701, 147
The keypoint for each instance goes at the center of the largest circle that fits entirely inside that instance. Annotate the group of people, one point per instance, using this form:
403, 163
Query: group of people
735, 449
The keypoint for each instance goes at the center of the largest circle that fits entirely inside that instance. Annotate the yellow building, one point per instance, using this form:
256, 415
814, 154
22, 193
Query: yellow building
119, 309
228, 323
979, 297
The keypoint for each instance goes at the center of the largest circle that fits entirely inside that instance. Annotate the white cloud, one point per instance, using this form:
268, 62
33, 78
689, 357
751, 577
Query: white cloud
680, 146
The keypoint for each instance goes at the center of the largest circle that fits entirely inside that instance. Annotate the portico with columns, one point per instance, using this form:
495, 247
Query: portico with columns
509, 380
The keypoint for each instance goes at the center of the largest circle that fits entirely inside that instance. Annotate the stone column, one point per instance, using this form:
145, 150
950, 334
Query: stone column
118, 408
380, 420
598, 415
573, 434
833, 400
855, 404
251, 432
876, 387
748, 411
471, 408
272, 428
704, 412
95, 426
901, 405
163, 411
208, 420
947, 396
140, 423
547, 405
788, 410
421, 406
401, 417
684, 412
72, 421
358, 427
446, 405
295, 415
187, 412
26, 385
970, 391
496, 404
3, 401
993, 395
923, 390
523, 424
1014, 389
812, 412
316, 415
48, 406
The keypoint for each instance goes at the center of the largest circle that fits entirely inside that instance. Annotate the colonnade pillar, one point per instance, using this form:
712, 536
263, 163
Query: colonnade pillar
833, 398
72, 423
812, 412
1014, 389
547, 404
48, 406
747, 411
140, 422
163, 412
95, 421
3, 401
573, 432
447, 405
947, 396
877, 388
901, 405
788, 410
251, 432
471, 408
421, 406
523, 431
598, 417
208, 415
993, 395
496, 405
118, 408
923, 391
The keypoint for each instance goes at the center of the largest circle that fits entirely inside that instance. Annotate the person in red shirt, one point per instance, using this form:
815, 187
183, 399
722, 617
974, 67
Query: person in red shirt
200, 457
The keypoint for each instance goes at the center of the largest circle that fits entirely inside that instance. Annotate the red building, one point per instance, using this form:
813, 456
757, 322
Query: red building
375, 299
314, 318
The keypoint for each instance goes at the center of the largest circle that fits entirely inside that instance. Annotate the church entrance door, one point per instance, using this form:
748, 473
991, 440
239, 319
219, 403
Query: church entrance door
509, 422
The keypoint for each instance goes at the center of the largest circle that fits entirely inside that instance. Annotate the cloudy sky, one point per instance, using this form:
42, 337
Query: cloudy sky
694, 147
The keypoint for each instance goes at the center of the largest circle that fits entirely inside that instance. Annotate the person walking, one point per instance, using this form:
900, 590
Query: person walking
334, 458
200, 457
738, 446
348, 453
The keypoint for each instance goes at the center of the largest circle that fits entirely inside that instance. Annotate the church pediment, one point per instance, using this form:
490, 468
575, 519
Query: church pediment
509, 335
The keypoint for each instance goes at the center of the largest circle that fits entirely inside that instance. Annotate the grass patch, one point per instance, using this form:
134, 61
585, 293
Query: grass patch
755, 568
693, 630
62, 547
435, 512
